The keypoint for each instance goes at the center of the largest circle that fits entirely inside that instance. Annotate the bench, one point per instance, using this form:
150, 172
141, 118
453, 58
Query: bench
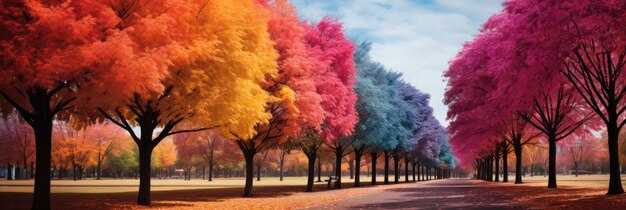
331, 181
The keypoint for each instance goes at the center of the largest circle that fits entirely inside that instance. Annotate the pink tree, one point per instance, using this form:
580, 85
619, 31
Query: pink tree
298, 69
327, 43
524, 49
580, 43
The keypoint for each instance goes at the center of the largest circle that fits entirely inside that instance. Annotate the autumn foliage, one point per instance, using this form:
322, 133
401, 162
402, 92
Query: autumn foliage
140, 88
555, 65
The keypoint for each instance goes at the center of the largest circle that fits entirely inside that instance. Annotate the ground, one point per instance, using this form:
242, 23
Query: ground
431, 195
583, 192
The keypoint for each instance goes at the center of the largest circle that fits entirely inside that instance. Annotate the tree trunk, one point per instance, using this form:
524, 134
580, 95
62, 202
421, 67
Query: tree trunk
505, 164
491, 168
351, 168
9, 173
319, 170
615, 182
386, 167
43, 145
518, 164
479, 172
25, 164
419, 171
413, 170
576, 169
406, 168
552, 162
374, 154
74, 172
145, 154
497, 167
249, 158
99, 168
258, 171
311, 171
357, 167
211, 170
338, 157
396, 168
282, 163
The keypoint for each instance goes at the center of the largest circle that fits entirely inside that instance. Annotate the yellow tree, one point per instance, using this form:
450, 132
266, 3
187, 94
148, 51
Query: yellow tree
295, 102
164, 156
75, 146
219, 52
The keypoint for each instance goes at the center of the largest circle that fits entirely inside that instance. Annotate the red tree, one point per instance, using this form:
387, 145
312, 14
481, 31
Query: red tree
87, 56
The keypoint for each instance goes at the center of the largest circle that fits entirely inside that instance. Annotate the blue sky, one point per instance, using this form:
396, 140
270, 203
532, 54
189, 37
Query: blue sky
415, 37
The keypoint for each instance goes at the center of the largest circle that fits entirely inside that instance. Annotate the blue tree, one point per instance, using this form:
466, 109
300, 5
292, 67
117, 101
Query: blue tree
379, 123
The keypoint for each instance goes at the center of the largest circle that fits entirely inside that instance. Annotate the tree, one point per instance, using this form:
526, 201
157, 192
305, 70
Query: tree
212, 149
74, 144
298, 71
425, 133
328, 44
123, 159
294, 102
518, 135
431, 135
471, 85
19, 141
104, 138
310, 142
210, 80
285, 150
557, 117
387, 111
92, 49
594, 74
333, 53
446, 157
581, 148
584, 41
60, 159
187, 147
165, 155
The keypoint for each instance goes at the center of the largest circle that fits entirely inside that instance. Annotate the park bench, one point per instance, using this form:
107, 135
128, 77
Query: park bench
331, 181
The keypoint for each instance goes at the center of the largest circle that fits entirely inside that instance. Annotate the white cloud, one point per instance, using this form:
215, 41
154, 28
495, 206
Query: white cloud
417, 39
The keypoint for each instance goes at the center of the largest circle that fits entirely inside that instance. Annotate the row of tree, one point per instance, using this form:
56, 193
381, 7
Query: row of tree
249, 71
104, 150
547, 72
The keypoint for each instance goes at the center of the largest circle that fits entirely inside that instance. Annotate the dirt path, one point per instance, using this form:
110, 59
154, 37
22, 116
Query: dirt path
440, 194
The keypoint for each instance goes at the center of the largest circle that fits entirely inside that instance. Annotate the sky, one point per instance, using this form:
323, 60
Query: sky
415, 37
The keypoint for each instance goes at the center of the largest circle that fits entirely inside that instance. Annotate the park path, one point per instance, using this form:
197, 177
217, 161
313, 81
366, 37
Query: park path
438, 194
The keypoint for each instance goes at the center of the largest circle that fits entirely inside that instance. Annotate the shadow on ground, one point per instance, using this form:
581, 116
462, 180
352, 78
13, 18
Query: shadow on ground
564, 197
431, 195
160, 199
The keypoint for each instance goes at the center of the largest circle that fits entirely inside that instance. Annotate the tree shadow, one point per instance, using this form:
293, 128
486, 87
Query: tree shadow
159, 199
441, 195
564, 197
